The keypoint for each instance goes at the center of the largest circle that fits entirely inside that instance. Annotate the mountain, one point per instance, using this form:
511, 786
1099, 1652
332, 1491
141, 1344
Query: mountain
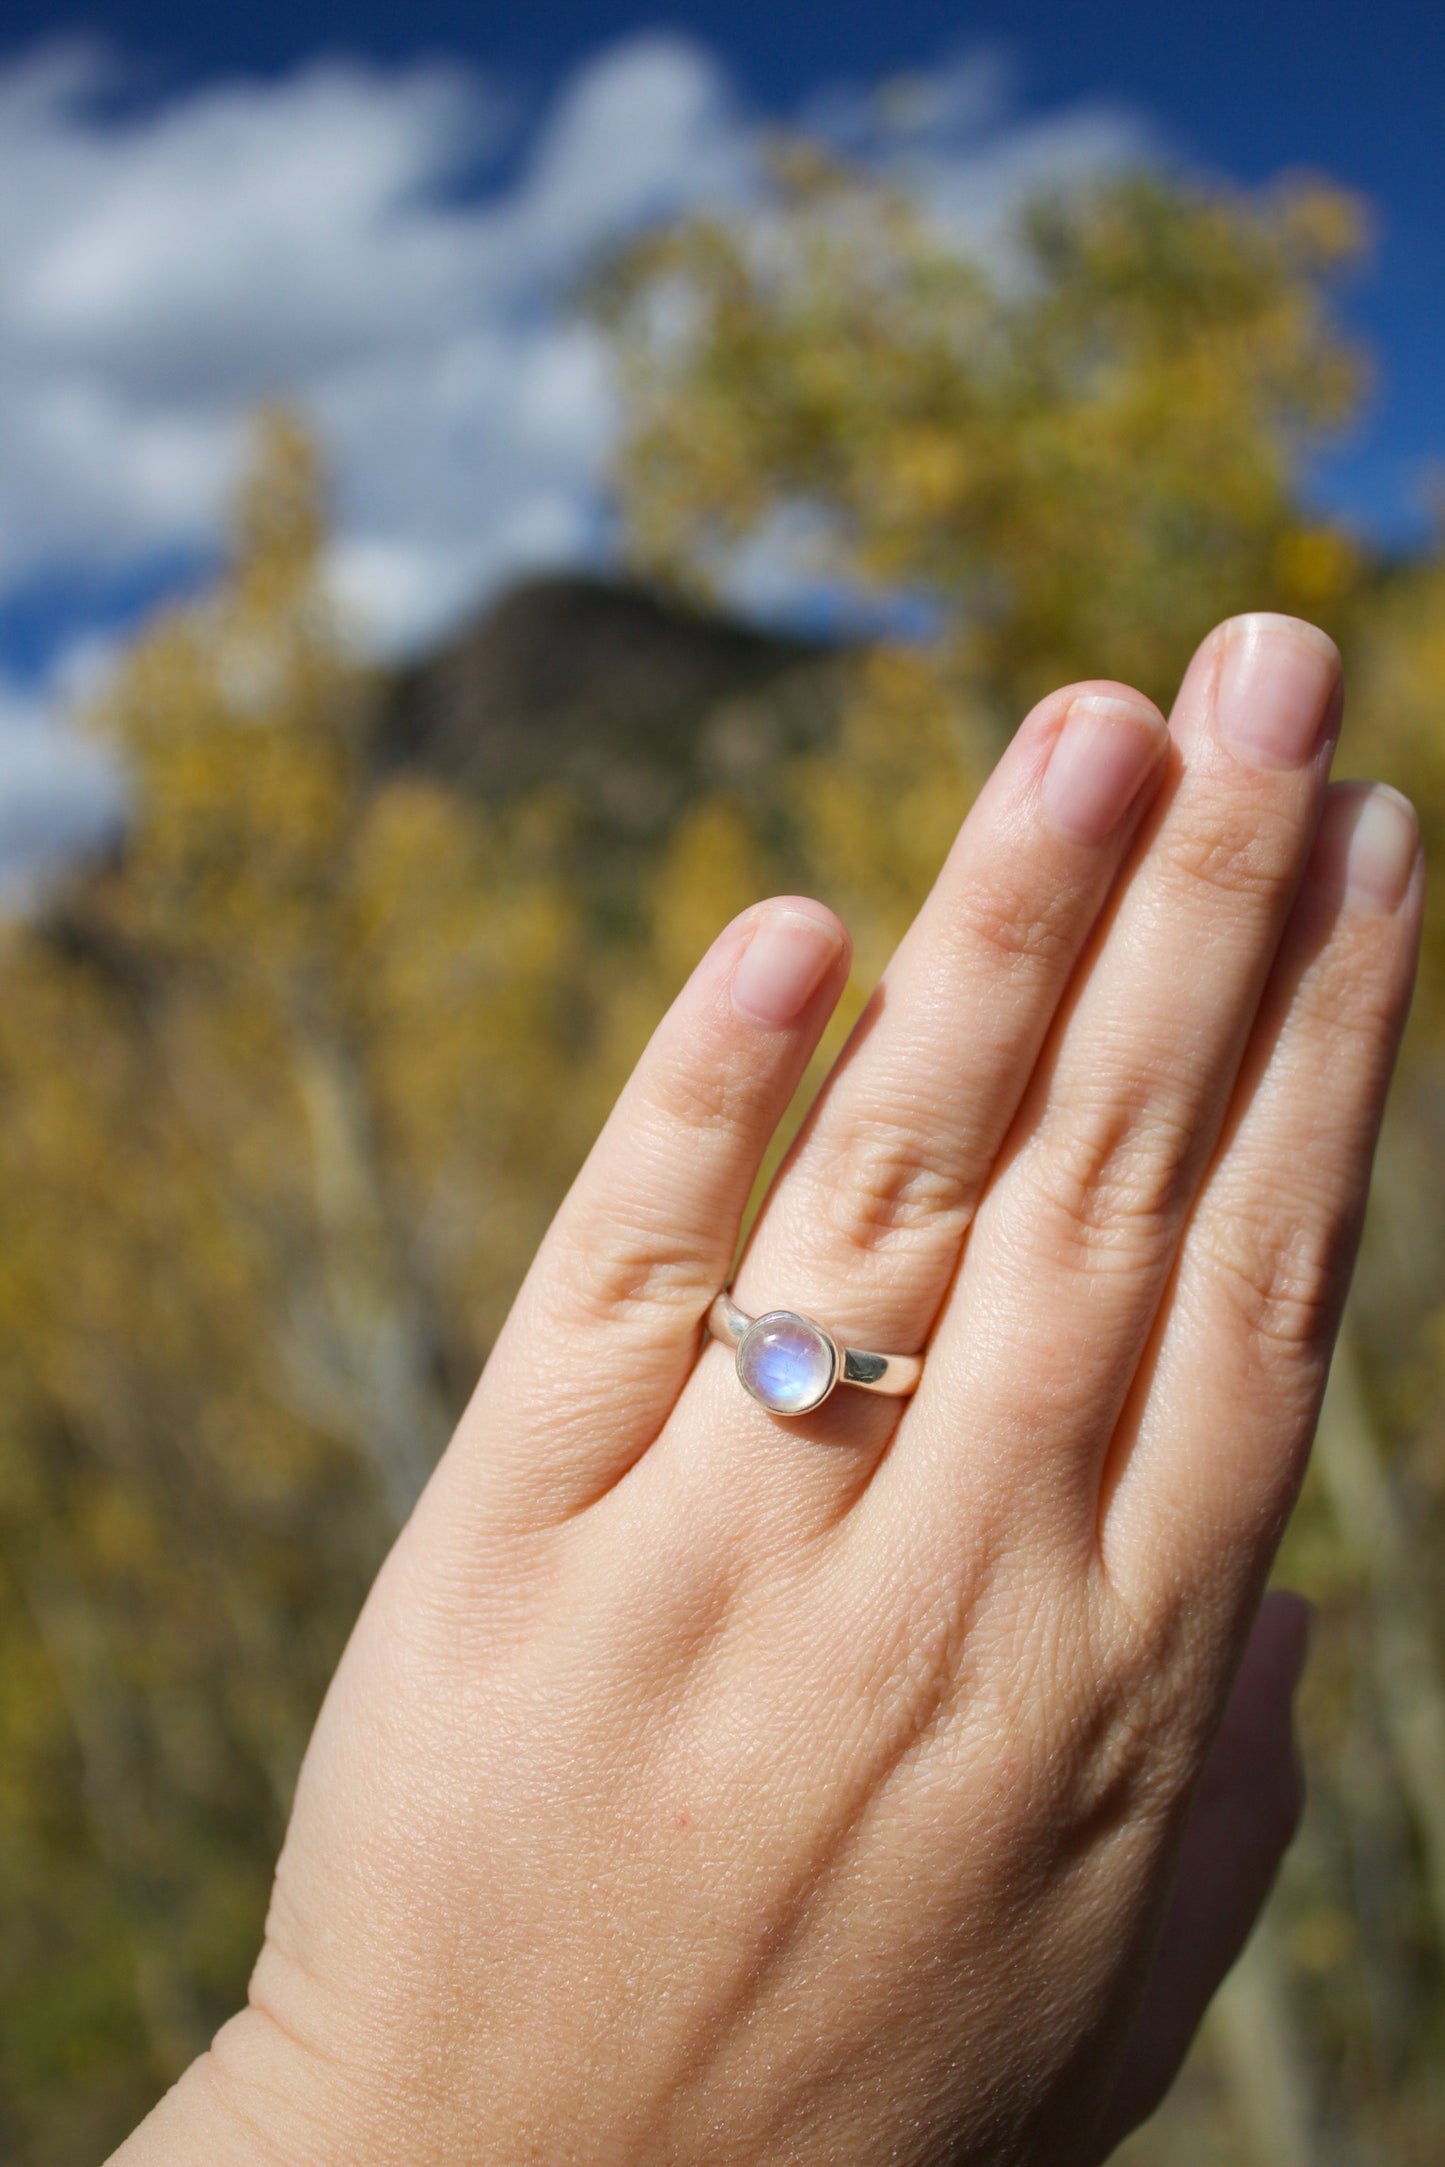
629, 699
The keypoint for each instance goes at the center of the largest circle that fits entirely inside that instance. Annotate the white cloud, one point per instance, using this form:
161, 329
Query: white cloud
957, 139
166, 270
334, 236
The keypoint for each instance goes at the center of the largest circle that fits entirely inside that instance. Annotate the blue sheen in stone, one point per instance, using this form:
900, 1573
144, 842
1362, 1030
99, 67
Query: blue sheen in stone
786, 1362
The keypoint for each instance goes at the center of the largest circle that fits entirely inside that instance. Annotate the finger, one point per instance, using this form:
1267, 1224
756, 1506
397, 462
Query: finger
1244, 1818
605, 1328
1209, 1457
1072, 1246
872, 1206
863, 1226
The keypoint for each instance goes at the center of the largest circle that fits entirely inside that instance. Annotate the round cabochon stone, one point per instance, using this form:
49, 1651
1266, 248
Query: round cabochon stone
786, 1362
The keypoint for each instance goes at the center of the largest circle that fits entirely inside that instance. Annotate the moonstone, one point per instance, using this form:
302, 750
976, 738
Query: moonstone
786, 1362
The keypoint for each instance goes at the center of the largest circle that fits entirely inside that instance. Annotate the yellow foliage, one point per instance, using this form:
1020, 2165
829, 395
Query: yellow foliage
286, 1099
1077, 461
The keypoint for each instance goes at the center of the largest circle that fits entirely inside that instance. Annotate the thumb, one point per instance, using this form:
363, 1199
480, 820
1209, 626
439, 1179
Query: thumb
1244, 1817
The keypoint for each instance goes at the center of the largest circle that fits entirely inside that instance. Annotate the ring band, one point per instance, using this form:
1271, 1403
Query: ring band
790, 1364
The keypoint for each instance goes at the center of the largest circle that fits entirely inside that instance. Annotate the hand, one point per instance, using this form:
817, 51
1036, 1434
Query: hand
702, 1787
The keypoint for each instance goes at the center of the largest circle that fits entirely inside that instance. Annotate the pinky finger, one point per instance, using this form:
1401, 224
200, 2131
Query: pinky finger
605, 1329
1206, 1465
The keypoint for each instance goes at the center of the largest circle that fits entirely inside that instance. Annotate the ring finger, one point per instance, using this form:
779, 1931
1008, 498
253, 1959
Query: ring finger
864, 1223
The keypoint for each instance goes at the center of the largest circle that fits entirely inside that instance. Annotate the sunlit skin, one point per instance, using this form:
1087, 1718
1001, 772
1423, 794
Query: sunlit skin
701, 1787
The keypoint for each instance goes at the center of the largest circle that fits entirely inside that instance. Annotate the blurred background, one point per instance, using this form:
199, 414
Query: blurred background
482, 498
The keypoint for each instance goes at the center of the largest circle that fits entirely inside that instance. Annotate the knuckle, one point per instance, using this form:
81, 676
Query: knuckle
651, 1245
1247, 862
700, 1098
1280, 1268
1346, 1000
634, 1271
886, 1189
1110, 1182
1020, 921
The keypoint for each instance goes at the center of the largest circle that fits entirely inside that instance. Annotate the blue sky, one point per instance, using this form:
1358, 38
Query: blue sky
1245, 87
376, 209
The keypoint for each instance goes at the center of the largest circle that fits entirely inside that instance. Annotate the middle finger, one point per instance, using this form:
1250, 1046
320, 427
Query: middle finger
1073, 1243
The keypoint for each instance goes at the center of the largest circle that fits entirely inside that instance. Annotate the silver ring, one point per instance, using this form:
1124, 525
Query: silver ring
790, 1364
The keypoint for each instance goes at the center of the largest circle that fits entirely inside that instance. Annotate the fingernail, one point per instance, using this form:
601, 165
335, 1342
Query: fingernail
1366, 846
783, 965
1276, 689
1098, 764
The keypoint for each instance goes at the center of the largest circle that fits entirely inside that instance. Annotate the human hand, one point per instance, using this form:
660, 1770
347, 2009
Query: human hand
699, 1786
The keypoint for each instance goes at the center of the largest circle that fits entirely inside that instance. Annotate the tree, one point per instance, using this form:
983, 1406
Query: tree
285, 1099
1088, 456
1069, 466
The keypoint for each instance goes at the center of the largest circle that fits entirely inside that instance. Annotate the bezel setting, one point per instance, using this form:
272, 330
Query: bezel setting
812, 1346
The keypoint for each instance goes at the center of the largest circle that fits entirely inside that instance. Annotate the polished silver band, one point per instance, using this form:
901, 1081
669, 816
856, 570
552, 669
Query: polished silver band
790, 1364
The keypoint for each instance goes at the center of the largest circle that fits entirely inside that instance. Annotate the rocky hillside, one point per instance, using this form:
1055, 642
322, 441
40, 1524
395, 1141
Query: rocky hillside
631, 701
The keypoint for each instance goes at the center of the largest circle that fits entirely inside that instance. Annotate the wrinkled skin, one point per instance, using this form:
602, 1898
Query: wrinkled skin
700, 1787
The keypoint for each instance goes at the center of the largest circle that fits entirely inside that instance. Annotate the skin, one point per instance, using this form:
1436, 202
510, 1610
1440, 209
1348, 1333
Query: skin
897, 1783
